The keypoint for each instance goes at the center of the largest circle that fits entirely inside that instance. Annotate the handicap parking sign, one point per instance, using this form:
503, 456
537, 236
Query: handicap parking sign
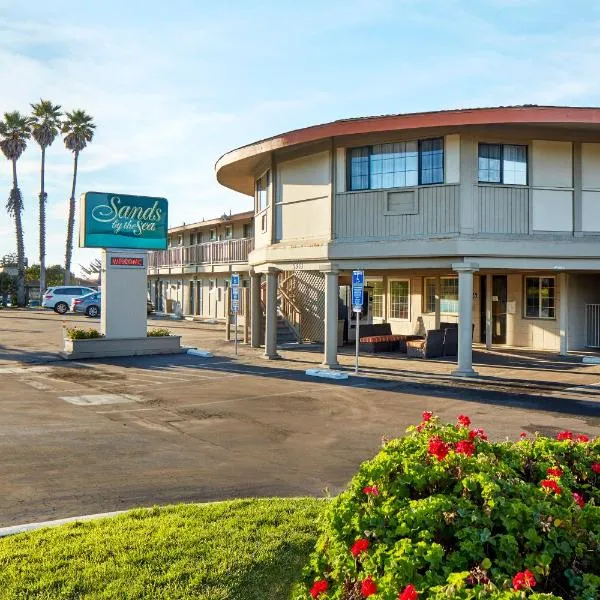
358, 283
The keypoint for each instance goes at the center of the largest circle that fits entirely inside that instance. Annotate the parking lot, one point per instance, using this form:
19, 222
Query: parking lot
93, 436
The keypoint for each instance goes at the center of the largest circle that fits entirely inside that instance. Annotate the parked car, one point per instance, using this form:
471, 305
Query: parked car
88, 304
59, 298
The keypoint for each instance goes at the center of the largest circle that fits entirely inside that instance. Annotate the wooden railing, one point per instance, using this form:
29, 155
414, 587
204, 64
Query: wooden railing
285, 301
226, 251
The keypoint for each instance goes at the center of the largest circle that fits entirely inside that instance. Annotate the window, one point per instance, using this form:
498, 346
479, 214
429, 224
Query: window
228, 232
400, 164
192, 239
213, 235
540, 297
399, 299
247, 230
264, 223
376, 298
448, 295
503, 163
262, 191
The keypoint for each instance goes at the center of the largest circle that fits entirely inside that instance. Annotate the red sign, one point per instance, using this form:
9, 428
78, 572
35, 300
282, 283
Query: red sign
125, 261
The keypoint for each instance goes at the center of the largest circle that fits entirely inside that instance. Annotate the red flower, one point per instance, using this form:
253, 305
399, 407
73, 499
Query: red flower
464, 447
477, 433
463, 420
524, 579
579, 499
359, 547
596, 468
371, 490
554, 471
550, 484
427, 415
584, 439
438, 448
368, 587
409, 593
564, 435
523, 434
319, 587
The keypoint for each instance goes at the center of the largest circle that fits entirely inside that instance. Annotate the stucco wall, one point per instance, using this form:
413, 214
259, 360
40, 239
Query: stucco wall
583, 289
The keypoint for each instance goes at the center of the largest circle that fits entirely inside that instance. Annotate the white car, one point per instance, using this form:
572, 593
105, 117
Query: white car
59, 298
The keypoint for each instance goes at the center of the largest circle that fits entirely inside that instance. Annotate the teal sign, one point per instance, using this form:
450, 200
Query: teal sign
123, 221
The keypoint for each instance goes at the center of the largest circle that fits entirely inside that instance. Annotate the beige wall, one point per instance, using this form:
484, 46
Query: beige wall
583, 289
590, 183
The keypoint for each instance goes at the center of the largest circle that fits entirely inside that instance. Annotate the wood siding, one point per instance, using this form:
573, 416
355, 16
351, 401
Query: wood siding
360, 215
503, 210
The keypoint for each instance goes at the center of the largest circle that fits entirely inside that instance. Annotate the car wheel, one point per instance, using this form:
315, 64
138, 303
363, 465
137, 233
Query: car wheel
92, 311
61, 308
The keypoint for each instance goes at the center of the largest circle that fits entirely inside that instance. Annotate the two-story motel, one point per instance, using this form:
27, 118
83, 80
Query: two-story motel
489, 217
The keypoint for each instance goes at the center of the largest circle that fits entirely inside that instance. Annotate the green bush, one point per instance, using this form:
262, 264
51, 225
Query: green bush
158, 332
75, 333
443, 513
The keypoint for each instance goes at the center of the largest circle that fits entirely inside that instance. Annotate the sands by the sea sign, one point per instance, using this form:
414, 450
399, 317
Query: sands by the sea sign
123, 221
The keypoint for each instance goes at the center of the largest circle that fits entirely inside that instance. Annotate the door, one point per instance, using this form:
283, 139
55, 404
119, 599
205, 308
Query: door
192, 310
482, 305
198, 297
499, 295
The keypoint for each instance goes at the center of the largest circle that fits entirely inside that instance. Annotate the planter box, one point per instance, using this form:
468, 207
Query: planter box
103, 347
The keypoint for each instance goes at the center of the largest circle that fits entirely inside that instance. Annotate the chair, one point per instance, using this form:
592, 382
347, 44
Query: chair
431, 347
450, 341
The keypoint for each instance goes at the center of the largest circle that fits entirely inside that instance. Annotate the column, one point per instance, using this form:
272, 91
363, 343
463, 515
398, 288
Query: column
271, 310
438, 289
563, 312
465, 319
488, 311
255, 310
331, 319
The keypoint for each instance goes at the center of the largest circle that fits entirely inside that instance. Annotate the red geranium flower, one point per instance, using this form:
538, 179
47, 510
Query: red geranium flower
554, 471
359, 547
579, 499
550, 484
409, 593
427, 415
583, 439
464, 447
319, 587
524, 579
371, 490
477, 433
463, 420
596, 468
368, 587
523, 434
438, 448
564, 435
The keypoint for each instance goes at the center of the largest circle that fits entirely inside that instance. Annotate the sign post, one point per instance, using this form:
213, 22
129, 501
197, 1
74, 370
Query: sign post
358, 284
235, 304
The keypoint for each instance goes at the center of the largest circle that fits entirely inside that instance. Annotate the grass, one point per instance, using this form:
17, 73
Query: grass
239, 550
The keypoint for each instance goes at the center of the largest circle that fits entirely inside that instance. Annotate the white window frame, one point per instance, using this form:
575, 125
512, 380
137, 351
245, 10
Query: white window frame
228, 232
426, 308
539, 317
265, 175
212, 234
371, 280
389, 299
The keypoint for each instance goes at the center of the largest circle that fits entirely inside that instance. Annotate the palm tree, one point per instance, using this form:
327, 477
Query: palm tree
14, 133
45, 125
79, 130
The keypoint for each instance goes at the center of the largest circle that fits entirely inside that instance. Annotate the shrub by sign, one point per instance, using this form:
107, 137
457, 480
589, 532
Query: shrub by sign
123, 221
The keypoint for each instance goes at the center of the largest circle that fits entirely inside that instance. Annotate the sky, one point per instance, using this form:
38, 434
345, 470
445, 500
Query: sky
174, 85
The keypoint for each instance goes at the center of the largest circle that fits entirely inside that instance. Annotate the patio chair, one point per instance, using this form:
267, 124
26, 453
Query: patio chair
431, 347
450, 341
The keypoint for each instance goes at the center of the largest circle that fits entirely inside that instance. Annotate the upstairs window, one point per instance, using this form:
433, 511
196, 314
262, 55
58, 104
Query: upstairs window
192, 239
213, 235
394, 165
262, 191
247, 230
228, 232
503, 163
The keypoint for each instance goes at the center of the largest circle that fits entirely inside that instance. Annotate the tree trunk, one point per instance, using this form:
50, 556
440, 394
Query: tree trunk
43, 227
20, 244
70, 225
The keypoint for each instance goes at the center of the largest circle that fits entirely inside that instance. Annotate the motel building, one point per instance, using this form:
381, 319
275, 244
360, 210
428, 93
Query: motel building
488, 218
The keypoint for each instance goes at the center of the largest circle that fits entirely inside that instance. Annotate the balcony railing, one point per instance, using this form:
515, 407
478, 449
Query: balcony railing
226, 251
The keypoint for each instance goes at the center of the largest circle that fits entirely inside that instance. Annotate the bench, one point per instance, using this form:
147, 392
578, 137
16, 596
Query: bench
379, 338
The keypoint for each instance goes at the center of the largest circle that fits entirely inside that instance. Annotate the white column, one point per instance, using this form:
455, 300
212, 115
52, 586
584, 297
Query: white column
488, 311
271, 310
255, 310
331, 319
563, 312
438, 289
465, 319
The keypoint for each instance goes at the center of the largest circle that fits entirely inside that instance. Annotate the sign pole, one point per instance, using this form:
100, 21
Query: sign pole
235, 327
357, 341
235, 304
358, 284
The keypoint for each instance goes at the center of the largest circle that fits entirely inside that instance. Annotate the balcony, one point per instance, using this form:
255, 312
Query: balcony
211, 253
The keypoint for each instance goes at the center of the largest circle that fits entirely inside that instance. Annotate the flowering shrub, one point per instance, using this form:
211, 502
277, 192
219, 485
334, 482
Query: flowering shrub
158, 332
75, 333
444, 513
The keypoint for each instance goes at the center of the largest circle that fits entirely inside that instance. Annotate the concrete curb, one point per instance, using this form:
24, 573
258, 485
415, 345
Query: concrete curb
326, 373
591, 360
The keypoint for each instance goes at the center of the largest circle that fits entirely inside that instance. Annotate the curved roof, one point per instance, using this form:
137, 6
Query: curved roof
235, 168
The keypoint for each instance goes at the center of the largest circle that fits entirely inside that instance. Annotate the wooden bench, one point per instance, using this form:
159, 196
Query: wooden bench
379, 338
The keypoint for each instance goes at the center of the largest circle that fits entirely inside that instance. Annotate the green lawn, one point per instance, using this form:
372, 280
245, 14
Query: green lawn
240, 550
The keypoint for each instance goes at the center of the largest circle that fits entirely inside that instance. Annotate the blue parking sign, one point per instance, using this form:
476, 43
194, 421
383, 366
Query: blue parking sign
358, 283
235, 280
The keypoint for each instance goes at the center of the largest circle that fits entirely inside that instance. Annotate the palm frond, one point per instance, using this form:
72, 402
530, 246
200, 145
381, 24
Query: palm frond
79, 129
15, 130
45, 122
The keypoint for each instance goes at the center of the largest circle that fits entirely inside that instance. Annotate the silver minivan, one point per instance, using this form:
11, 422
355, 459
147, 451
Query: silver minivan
59, 298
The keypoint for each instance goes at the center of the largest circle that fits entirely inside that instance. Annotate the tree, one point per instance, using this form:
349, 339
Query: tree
14, 133
55, 275
79, 130
93, 270
45, 126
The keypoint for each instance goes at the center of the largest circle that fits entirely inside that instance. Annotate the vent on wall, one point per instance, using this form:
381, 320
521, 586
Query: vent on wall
402, 203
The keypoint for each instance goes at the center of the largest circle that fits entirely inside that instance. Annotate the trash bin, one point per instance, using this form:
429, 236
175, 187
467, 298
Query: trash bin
170, 305
340, 333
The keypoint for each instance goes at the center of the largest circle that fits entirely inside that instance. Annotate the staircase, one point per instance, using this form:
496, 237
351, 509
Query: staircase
285, 333
288, 314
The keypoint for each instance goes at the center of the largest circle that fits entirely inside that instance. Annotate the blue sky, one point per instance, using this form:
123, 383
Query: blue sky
173, 85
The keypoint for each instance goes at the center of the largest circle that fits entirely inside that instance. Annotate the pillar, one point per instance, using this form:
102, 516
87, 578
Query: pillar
246, 299
488, 311
271, 313
255, 310
331, 320
438, 289
563, 312
465, 319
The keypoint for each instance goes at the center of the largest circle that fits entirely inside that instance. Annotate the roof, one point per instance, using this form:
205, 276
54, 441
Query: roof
212, 222
235, 168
